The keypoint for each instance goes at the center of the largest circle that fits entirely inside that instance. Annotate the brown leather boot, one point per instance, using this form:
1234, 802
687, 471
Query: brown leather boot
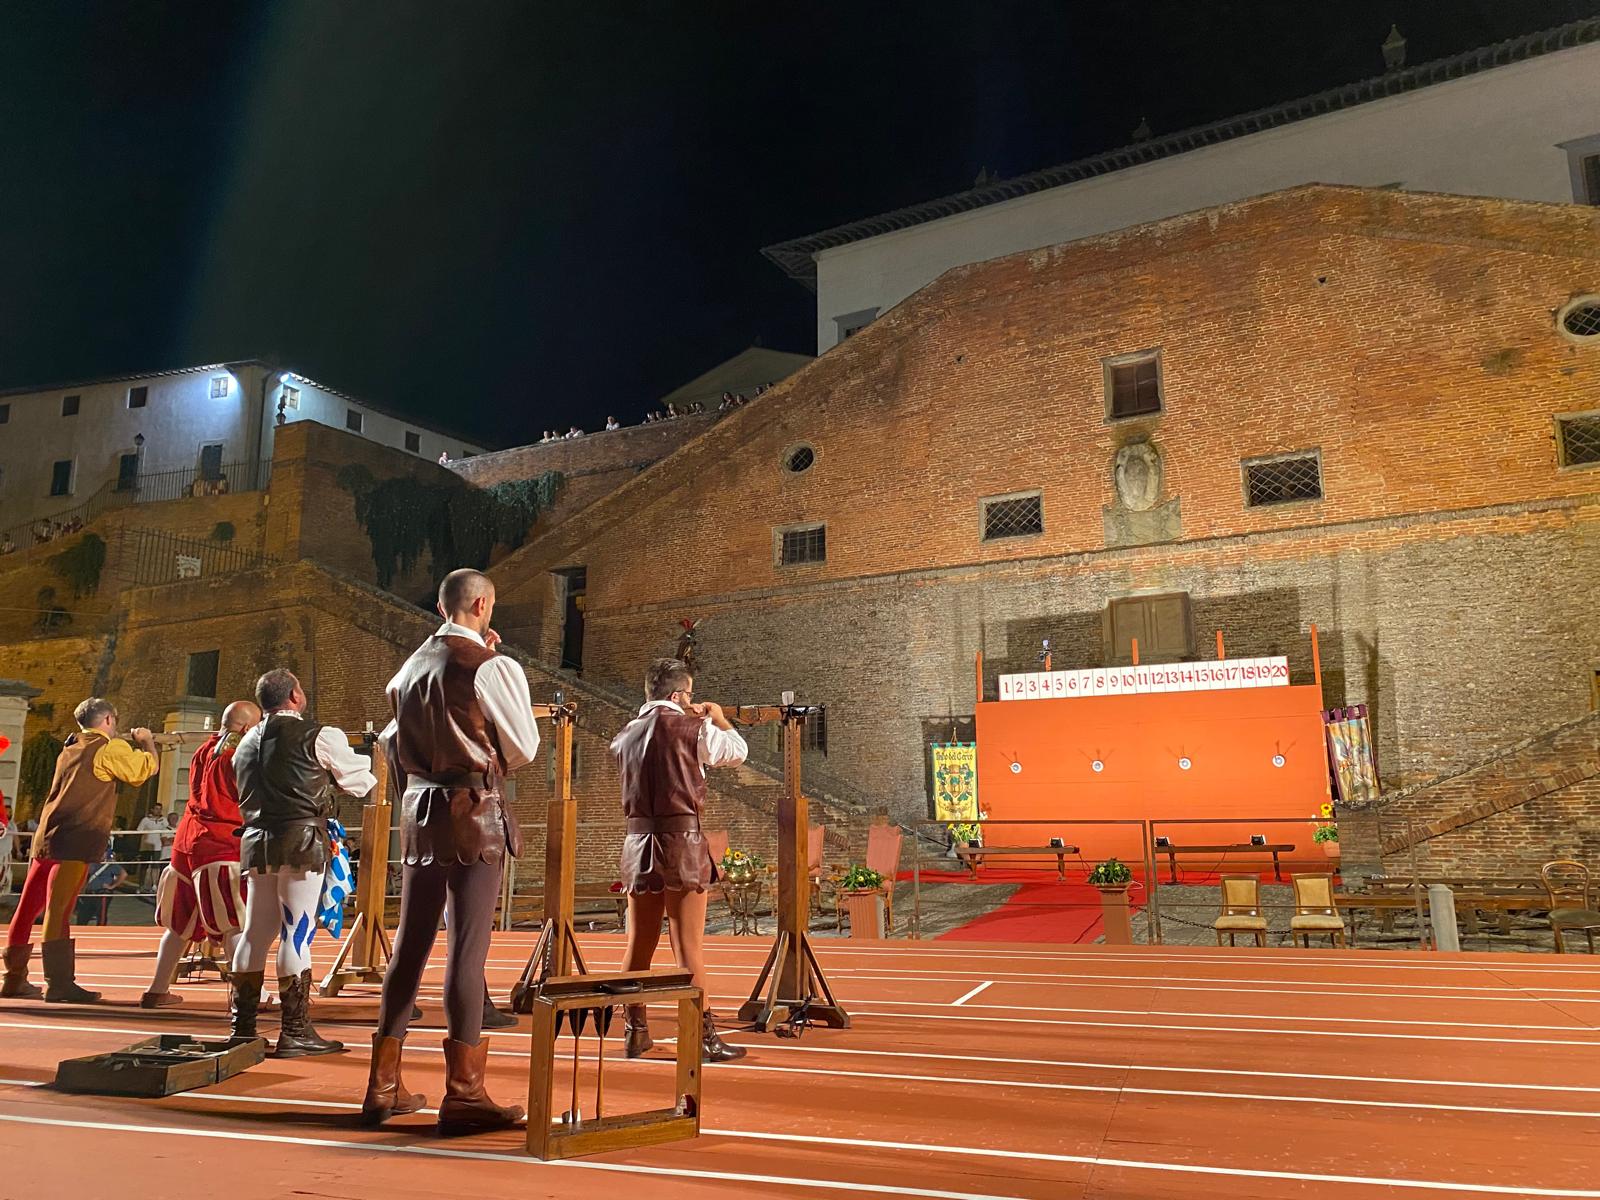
60, 974
467, 1107
712, 1047
16, 985
297, 1037
244, 1000
386, 1091
636, 1030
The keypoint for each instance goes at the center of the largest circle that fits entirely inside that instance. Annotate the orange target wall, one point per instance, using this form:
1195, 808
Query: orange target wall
1036, 761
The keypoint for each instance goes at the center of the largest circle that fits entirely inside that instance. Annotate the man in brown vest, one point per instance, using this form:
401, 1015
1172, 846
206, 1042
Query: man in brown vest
73, 831
663, 754
462, 720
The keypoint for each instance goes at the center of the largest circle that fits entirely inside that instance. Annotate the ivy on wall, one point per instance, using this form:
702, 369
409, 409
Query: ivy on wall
458, 525
38, 767
80, 564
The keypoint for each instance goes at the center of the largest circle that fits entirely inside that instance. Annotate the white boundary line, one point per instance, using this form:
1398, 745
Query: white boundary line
981, 987
1521, 1190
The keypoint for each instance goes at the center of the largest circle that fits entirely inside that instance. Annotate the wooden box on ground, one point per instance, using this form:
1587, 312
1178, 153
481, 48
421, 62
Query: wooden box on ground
160, 1066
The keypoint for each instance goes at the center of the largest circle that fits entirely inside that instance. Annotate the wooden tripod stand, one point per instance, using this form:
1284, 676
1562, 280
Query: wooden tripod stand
365, 953
556, 952
791, 982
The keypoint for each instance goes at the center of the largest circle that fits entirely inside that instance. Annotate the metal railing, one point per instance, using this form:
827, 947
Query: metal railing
152, 557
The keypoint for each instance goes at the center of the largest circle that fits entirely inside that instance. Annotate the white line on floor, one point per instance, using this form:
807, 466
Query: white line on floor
1521, 1189
981, 987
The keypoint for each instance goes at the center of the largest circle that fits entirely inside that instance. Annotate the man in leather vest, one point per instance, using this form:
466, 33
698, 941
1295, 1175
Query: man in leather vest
662, 756
462, 720
288, 768
74, 828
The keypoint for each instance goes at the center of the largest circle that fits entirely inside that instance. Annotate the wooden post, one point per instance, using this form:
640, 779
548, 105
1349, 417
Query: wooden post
792, 978
365, 953
556, 951
979, 668
1221, 653
1047, 662
1316, 659
1134, 642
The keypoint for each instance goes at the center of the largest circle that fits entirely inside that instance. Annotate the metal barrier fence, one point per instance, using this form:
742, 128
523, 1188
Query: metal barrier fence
154, 557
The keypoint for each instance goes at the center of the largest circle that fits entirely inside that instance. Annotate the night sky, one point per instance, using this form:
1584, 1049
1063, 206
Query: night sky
507, 216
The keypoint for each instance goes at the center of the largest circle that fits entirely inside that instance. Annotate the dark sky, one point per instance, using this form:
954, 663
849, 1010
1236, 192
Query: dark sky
511, 215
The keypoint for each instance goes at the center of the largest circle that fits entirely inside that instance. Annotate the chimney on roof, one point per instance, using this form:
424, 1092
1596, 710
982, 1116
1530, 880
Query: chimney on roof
1141, 132
1394, 49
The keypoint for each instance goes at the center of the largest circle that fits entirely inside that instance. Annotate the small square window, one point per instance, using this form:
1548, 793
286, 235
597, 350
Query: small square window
1012, 516
291, 396
138, 397
1283, 479
5, 414
200, 679
353, 420
1133, 384
219, 387
61, 478
1579, 439
851, 324
814, 732
808, 545
70, 405
413, 442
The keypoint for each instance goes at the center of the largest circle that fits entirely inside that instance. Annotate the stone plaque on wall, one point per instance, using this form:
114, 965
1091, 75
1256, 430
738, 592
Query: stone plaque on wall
1137, 517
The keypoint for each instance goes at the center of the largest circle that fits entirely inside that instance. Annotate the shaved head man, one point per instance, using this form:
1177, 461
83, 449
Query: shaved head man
201, 893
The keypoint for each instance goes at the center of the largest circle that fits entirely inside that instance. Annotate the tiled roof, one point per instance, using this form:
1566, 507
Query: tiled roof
796, 259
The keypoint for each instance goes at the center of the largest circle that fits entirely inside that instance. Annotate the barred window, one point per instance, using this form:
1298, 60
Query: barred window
200, 678
1581, 319
1283, 478
809, 545
814, 733
1579, 439
1133, 384
219, 387
799, 459
70, 405
1012, 516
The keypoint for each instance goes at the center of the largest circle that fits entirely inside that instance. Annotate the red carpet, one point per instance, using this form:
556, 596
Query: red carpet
1036, 912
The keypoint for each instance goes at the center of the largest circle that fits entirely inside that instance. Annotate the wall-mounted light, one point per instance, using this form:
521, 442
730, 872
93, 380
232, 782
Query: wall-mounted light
1016, 768
1097, 766
1278, 760
1184, 764
138, 441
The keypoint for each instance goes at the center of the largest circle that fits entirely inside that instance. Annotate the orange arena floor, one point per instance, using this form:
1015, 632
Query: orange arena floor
971, 1071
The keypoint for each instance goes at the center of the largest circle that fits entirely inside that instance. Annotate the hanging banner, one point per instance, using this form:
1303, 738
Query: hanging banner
1351, 757
955, 781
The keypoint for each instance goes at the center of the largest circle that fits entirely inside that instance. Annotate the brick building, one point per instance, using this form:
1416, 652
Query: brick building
1369, 410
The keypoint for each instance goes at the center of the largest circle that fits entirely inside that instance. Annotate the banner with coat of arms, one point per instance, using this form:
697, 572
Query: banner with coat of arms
955, 781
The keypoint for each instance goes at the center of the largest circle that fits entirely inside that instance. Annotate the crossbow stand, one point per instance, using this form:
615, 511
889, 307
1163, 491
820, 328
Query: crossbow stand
791, 984
364, 954
556, 952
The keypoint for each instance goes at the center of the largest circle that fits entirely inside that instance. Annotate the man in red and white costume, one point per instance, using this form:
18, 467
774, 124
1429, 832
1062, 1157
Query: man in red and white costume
201, 895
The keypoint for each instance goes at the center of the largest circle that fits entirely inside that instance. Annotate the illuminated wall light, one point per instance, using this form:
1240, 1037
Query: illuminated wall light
1097, 766
1184, 764
1278, 760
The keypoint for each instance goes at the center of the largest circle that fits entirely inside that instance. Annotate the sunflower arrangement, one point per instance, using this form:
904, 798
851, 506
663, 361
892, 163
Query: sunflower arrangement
739, 866
1327, 829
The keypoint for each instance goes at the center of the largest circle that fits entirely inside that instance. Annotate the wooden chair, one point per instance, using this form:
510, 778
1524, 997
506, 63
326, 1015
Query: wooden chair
1241, 909
1316, 911
883, 856
1572, 900
816, 871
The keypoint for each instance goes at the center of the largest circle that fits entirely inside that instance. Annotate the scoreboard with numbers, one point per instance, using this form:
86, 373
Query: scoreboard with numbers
1160, 677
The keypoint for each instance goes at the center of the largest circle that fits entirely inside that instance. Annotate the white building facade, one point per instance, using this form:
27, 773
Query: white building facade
165, 435
1519, 120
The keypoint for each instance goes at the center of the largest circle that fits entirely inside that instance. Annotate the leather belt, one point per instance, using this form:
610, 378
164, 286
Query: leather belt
475, 781
688, 823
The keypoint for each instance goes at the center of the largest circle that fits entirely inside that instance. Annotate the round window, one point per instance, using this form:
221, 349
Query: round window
799, 459
1580, 319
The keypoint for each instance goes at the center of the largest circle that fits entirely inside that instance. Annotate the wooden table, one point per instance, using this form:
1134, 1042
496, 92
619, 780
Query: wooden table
1273, 848
972, 856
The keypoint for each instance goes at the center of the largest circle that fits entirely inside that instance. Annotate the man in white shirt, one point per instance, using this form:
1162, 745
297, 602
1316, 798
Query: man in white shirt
662, 756
288, 768
462, 722
152, 825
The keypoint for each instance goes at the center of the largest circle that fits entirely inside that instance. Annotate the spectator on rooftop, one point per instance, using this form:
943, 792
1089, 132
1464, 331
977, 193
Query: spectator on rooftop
611, 423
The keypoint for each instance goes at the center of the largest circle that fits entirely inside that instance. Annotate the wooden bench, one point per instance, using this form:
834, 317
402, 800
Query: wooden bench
527, 908
972, 856
1389, 900
1272, 848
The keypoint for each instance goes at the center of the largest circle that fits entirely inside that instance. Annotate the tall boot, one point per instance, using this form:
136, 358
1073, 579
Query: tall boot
493, 1018
16, 985
712, 1047
296, 1036
60, 974
467, 1107
636, 1030
386, 1091
244, 1001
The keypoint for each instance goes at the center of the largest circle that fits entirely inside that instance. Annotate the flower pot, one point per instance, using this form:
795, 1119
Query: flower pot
865, 907
1114, 913
1331, 849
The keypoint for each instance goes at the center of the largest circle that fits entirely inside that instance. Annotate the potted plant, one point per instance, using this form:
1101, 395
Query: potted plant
966, 833
1113, 879
1326, 832
862, 890
741, 866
